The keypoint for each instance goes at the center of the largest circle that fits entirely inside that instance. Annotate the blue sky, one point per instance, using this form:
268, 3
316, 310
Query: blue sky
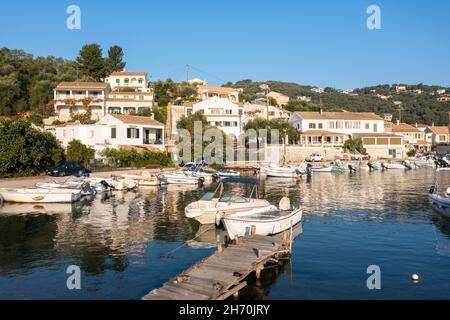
319, 42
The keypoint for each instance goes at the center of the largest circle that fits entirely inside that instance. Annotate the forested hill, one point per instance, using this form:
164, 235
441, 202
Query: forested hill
419, 103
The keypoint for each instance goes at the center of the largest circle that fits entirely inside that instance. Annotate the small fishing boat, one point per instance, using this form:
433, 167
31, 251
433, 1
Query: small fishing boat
283, 172
146, 179
181, 177
215, 204
393, 166
73, 186
112, 184
232, 174
440, 203
262, 221
322, 169
24, 195
374, 166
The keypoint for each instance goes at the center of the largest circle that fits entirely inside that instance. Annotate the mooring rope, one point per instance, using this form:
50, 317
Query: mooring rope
168, 255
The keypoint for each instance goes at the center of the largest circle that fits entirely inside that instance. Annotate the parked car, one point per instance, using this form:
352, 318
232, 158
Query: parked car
315, 157
67, 169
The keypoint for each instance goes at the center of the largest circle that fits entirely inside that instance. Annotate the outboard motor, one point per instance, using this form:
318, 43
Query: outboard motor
201, 180
351, 168
86, 188
407, 164
106, 186
432, 189
383, 166
309, 169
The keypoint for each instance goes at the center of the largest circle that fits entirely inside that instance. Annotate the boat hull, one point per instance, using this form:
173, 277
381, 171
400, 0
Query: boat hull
282, 173
39, 195
240, 226
440, 204
206, 213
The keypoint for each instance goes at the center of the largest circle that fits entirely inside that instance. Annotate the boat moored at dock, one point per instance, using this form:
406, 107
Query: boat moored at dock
36, 195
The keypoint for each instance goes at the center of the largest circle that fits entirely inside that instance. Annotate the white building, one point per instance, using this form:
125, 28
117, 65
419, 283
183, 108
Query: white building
208, 92
260, 109
114, 131
128, 81
346, 123
221, 113
74, 98
128, 102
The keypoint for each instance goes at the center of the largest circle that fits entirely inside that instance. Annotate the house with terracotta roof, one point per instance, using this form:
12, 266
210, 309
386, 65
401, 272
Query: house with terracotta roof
281, 99
128, 81
115, 131
75, 98
441, 136
207, 92
413, 137
332, 129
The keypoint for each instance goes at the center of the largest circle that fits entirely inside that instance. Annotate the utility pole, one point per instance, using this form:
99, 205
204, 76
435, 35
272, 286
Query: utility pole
187, 72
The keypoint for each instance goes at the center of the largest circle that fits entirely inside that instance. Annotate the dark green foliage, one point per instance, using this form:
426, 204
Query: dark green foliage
420, 108
411, 153
25, 150
78, 152
284, 128
133, 158
91, 63
354, 146
114, 61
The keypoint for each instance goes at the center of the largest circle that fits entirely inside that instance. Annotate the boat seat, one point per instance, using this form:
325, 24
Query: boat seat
285, 204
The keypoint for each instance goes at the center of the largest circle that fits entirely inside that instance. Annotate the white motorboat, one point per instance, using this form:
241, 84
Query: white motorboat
263, 221
228, 174
440, 203
322, 169
374, 166
181, 178
101, 185
284, 171
24, 195
212, 206
146, 179
393, 166
75, 187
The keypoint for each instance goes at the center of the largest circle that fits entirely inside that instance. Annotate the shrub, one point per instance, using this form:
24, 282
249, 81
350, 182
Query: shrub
26, 151
124, 157
78, 152
411, 153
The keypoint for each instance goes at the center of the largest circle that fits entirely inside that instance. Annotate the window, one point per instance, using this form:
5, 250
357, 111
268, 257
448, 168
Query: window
393, 153
241, 112
227, 124
320, 125
132, 133
189, 111
228, 111
141, 81
117, 81
215, 111
339, 124
312, 125
367, 126
141, 97
126, 81
357, 125
113, 133
375, 127
331, 125
442, 138
348, 124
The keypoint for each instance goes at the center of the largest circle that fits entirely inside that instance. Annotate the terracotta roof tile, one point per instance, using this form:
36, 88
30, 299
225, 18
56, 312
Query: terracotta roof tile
440, 130
339, 115
128, 73
137, 120
83, 85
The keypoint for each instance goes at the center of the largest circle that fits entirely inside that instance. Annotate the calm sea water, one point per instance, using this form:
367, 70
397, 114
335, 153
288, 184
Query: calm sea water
135, 241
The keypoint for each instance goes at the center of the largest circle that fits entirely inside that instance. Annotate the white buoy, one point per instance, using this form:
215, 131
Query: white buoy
415, 277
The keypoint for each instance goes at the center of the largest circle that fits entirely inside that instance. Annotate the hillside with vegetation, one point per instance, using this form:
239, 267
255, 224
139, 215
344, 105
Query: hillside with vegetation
418, 104
27, 83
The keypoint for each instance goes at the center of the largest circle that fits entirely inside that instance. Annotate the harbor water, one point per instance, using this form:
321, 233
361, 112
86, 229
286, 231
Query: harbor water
130, 243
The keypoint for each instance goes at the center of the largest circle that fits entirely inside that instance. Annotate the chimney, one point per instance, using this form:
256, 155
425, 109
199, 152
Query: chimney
321, 111
398, 122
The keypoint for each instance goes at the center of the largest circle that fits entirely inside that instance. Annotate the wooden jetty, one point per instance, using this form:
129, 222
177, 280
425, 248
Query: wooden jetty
223, 274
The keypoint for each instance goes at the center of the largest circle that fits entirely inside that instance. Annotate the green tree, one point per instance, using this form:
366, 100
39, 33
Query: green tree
25, 150
78, 152
91, 63
114, 61
354, 146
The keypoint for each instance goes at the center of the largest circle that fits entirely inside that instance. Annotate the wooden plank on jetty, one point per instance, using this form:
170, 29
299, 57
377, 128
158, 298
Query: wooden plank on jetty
223, 274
